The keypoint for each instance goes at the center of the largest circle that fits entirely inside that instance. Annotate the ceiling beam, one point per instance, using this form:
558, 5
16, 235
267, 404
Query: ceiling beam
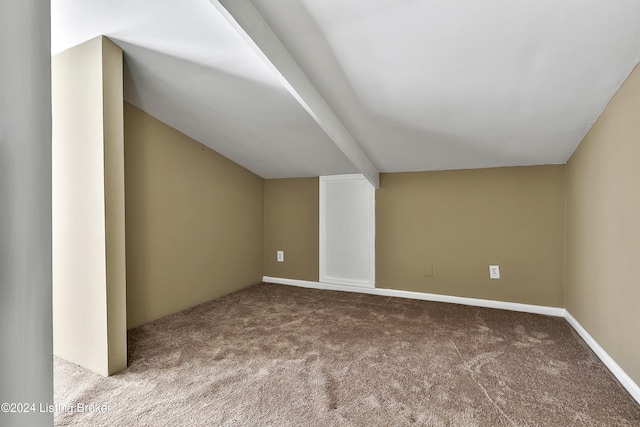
248, 22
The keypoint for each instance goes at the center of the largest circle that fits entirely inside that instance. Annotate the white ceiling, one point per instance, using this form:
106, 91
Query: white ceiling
419, 84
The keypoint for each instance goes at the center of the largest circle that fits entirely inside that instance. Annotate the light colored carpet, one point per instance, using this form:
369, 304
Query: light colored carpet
274, 355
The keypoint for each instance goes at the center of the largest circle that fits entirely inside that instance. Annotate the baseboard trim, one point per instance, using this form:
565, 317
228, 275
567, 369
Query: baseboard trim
476, 302
616, 370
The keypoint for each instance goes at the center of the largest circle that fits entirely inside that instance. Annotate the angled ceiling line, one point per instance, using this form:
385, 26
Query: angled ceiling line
248, 22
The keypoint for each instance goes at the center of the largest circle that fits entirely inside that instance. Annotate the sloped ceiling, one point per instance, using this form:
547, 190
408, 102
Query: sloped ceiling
418, 84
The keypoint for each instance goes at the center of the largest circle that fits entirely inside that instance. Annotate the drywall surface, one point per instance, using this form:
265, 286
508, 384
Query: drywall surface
194, 221
115, 244
603, 229
438, 232
89, 312
26, 368
421, 85
452, 223
291, 222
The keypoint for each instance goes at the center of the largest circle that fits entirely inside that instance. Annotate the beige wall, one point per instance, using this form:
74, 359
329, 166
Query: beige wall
462, 221
88, 239
603, 229
459, 222
114, 198
291, 210
194, 221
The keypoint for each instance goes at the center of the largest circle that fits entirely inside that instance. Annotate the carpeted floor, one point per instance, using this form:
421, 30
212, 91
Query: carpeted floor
275, 355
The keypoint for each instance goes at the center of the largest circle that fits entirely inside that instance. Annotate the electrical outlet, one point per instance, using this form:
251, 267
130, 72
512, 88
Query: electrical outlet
428, 270
280, 256
494, 272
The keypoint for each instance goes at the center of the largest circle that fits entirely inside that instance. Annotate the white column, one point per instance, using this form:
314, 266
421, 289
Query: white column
89, 277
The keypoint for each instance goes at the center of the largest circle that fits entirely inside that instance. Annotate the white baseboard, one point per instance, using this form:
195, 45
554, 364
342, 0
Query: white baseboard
616, 370
476, 302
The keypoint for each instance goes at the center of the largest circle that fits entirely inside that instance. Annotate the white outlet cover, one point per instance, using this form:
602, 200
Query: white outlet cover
494, 271
280, 256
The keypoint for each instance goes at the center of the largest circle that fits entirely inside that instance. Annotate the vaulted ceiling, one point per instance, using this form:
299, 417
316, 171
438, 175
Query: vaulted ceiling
294, 88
